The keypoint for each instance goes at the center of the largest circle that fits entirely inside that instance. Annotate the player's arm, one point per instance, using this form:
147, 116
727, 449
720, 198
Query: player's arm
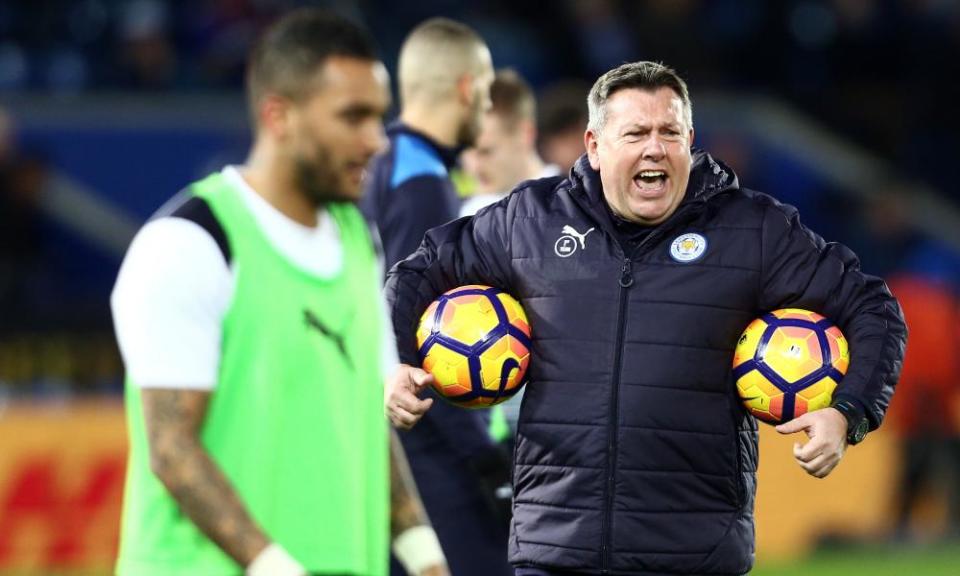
415, 543
800, 270
173, 421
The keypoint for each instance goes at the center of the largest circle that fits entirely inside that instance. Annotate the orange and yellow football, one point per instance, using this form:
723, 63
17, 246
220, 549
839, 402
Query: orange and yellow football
475, 340
788, 363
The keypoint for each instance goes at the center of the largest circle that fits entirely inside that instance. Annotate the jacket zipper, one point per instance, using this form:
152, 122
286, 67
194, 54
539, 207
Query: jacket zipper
625, 281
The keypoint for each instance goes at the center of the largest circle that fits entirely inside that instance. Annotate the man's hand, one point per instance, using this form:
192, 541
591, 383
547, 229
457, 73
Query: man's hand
827, 430
403, 406
435, 570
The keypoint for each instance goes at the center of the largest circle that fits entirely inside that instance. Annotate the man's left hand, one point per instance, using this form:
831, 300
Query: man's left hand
827, 430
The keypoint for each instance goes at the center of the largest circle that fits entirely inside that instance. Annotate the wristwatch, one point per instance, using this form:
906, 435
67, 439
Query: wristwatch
857, 424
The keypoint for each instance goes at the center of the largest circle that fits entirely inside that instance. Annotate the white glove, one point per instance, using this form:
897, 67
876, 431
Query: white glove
275, 561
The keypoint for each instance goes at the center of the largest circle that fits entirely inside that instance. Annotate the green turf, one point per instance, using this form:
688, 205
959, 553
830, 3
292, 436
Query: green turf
855, 561
872, 561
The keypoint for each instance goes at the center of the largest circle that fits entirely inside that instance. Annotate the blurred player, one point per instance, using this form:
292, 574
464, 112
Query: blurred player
250, 320
562, 120
445, 73
505, 153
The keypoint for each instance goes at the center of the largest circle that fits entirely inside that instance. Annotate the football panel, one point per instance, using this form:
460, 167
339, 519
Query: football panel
797, 314
776, 408
800, 407
478, 402
515, 312
450, 369
492, 360
425, 327
820, 394
757, 394
469, 318
465, 288
793, 353
839, 349
747, 344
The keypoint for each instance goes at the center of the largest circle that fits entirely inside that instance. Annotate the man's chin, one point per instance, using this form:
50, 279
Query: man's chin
348, 192
648, 215
341, 194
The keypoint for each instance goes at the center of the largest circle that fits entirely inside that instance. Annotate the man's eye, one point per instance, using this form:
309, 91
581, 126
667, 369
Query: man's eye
356, 116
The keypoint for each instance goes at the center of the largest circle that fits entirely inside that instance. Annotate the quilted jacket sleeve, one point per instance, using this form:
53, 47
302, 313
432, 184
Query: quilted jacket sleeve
800, 270
471, 250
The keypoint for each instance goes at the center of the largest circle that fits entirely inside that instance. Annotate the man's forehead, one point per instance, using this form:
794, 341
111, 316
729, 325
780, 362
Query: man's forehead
345, 71
642, 101
496, 121
353, 77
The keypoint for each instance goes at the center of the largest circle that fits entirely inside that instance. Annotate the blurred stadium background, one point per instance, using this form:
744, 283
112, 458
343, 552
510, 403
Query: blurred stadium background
844, 108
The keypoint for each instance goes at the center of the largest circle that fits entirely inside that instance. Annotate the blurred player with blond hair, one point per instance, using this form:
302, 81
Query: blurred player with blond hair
445, 72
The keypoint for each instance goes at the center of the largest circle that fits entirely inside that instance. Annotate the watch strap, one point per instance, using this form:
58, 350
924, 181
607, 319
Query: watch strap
857, 423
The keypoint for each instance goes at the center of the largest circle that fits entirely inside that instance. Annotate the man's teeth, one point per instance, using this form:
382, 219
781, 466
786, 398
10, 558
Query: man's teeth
652, 174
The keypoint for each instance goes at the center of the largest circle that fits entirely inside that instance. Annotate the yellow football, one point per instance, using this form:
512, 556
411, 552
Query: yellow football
475, 340
788, 363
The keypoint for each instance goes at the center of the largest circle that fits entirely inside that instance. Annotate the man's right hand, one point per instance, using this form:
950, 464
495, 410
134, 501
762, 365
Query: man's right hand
403, 406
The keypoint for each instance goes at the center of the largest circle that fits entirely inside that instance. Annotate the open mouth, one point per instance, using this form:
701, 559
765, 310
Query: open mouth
651, 180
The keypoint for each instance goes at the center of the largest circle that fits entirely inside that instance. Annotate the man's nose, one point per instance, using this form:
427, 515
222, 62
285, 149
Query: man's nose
654, 149
375, 138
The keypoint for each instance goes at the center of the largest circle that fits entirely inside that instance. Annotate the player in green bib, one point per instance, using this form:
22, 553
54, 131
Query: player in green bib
250, 319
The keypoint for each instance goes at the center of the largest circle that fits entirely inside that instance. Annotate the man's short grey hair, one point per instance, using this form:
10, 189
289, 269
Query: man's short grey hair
643, 75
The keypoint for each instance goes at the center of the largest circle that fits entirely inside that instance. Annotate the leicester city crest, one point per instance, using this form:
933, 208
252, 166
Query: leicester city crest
688, 247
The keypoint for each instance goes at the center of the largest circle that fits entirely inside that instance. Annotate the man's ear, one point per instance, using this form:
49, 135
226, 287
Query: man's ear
465, 92
273, 113
529, 130
591, 141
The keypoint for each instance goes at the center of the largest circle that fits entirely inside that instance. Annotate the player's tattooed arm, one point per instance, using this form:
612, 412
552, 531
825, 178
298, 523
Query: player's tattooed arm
406, 509
173, 421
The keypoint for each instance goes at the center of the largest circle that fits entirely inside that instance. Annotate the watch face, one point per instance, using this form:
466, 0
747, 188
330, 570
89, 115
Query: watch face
858, 433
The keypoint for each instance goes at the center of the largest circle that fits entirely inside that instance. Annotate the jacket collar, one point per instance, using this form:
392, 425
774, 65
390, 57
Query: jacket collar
708, 178
446, 154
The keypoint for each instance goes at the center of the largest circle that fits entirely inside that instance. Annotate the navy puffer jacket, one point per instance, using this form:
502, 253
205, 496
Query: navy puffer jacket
633, 454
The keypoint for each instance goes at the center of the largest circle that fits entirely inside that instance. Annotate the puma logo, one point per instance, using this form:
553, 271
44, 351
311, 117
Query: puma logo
311, 321
568, 229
